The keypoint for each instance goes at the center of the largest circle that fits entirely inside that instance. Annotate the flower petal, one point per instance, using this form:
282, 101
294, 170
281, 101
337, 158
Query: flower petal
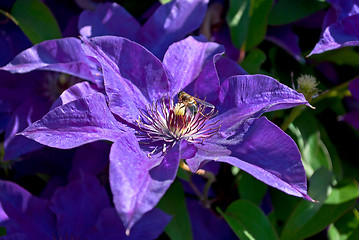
184, 60
352, 118
137, 181
226, 68
62, 55
340, 34
74, 92
30, 214
84, 197
285, 38
91, 158
133, 76
108, 19
81, 121
354, 88
109, 226
264, 151
28, 112
257, 92
172, 22
206, 224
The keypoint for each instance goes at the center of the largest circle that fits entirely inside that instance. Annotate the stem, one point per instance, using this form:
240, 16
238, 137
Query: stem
6, 14
334, 92
211, 178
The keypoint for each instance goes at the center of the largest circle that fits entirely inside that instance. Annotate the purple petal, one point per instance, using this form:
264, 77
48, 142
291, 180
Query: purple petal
29, 214
285, 38
28, 112
223, 37
78, 206
340, 34
151, 225
137, 181
354, 88
352, 118
132, 75
207, 85
184, 61
172, 22
345, 8
62, 55
108, 19
110, 227
206, 225
226, 68
256, 92
264, 151
91, 158
79, 122
75, 92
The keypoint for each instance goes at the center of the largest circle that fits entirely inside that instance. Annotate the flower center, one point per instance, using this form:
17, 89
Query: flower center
167, 123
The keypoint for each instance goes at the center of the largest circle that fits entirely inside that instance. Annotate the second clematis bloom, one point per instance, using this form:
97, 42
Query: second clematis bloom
152, 130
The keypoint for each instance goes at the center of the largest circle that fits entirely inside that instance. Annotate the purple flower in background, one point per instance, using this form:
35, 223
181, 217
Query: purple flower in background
80, 210
26, 98
353, 116
285, 38
340, 27
171, 22
151, 132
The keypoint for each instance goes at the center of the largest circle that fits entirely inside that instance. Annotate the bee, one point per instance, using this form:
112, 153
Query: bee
191, 103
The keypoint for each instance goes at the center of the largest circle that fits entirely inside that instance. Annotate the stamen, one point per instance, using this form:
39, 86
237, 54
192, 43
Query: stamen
165, 123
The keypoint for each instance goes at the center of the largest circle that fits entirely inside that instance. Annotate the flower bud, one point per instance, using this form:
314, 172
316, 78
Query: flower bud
307, 84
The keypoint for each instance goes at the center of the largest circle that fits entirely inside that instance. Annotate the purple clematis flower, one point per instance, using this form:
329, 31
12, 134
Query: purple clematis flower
151, 132
340, 27
26, 98
353, 116
80, 210
171, 22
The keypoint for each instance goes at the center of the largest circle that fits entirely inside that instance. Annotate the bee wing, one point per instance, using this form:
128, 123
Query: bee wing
204, 103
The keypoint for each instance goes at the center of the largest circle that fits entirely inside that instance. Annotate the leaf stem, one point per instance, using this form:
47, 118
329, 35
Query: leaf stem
334, 92
8, 15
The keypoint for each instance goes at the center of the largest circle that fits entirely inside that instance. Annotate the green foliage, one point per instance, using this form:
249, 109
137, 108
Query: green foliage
2, 231
288, 11
248, 221
258, 22
35, 20
253, 61
310, 218
342, 56
238, 21
246, 185
346, 228
174, 204
247, 21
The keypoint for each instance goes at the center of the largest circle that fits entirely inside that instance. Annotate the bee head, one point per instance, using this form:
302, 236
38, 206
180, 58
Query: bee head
179, 95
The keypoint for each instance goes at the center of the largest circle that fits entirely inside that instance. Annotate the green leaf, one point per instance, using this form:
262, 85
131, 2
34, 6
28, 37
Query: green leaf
35, 20
174, 203
165, 1
258, 22
2, 231
251, 189
288, 11
309, 218
253, 61
248, 221
314, 152
342, 56
347, 227
238, 21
